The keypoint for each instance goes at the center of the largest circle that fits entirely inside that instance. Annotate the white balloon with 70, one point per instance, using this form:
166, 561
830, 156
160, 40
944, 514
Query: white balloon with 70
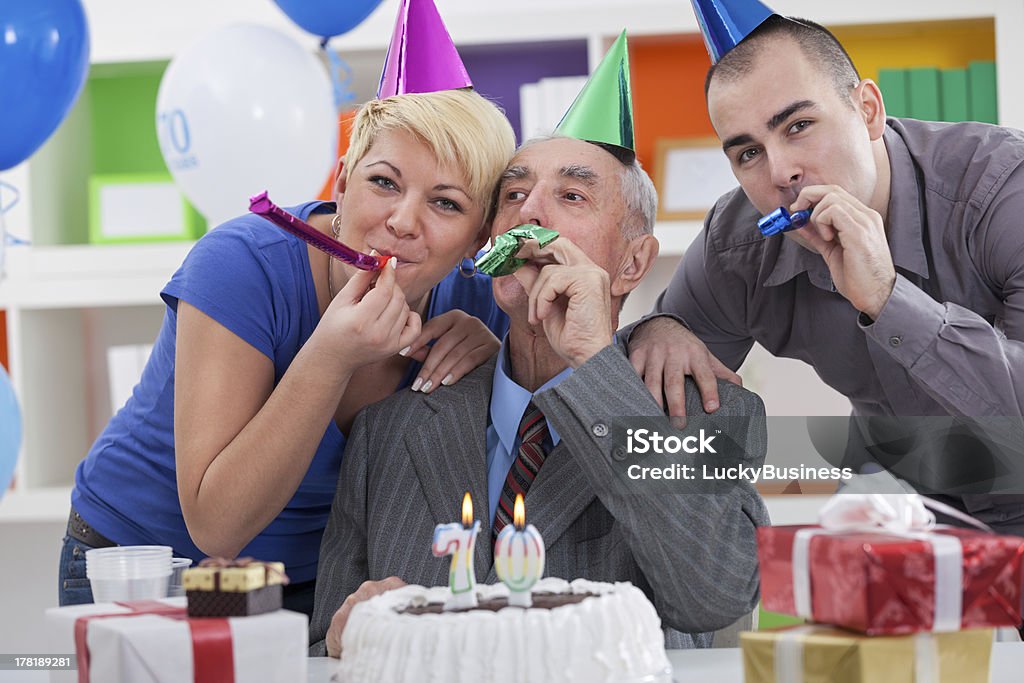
245, 109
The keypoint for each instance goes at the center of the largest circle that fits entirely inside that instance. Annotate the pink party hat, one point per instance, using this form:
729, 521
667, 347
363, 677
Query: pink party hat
422, 56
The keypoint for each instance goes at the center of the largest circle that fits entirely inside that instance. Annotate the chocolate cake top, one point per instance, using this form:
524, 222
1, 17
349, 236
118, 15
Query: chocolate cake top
540, 601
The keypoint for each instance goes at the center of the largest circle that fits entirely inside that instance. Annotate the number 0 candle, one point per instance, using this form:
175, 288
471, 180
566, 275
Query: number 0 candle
459, 541
519, 556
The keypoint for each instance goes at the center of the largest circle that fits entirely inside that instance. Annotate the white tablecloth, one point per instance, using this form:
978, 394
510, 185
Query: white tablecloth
691, 666
724, 665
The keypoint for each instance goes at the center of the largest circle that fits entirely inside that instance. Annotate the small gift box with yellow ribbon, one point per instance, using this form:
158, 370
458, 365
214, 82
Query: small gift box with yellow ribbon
234, 588
824, 654
878, 564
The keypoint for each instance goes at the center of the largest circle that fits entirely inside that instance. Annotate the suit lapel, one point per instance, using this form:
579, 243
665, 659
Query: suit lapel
449, 454
561, 491
556, 498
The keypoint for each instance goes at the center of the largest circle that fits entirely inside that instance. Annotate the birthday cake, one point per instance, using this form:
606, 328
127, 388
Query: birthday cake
579, 631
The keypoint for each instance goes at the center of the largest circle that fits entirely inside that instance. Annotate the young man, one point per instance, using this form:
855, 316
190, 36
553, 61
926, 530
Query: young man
905, 291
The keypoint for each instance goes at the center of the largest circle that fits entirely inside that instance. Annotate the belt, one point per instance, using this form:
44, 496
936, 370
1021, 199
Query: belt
80, 530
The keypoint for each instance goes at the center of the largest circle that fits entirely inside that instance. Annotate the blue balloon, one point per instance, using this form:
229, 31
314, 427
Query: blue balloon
328, 17
10, 431
44, 57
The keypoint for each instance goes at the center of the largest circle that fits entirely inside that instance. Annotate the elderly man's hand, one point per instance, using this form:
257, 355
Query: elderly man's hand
663, 352
570, 298
366, 591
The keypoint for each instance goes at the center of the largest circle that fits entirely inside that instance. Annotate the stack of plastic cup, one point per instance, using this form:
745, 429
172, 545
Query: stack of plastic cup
132, 572
178, 567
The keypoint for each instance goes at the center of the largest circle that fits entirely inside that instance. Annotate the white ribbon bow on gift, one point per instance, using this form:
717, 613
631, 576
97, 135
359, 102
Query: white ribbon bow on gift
895, 512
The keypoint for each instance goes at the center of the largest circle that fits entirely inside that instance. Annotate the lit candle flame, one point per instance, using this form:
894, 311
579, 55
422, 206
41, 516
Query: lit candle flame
519, 512
467, 510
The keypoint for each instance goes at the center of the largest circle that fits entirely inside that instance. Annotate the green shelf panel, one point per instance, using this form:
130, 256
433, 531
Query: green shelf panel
122, 102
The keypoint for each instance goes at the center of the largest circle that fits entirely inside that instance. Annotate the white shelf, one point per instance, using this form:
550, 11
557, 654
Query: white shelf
470, 21
130, 275
89, 275
675, 237
36, 505
794, 509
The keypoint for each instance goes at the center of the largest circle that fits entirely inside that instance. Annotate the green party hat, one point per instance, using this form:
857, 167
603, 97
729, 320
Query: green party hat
603, 111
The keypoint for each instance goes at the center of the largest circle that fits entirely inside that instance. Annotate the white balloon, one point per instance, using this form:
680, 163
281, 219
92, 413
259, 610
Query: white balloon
242, 110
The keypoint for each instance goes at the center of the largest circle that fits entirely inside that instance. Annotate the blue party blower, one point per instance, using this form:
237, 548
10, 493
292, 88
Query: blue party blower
781, 220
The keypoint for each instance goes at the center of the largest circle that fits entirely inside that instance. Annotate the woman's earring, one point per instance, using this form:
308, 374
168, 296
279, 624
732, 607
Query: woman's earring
467, 268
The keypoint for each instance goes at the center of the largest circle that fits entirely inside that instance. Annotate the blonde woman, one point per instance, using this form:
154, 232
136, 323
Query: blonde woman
232, 441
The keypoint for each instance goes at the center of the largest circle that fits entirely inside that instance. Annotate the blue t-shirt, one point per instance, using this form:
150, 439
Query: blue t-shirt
254, 279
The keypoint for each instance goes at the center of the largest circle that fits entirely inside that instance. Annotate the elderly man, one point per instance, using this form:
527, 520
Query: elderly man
412, 456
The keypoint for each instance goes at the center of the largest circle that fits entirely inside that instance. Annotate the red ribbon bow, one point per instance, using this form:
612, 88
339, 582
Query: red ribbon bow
212, 653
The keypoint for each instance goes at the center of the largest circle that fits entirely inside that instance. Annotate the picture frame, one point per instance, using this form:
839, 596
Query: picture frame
690, 175
138, 208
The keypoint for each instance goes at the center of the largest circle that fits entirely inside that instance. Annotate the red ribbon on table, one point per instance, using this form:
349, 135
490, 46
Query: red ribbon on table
212, 654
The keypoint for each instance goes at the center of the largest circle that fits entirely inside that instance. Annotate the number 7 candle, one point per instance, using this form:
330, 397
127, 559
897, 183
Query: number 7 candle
459, 541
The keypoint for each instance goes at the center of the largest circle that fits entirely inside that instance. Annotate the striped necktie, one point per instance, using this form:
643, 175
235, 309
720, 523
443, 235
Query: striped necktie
532, 430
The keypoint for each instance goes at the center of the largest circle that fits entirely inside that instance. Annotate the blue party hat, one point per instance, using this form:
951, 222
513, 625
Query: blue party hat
725, 23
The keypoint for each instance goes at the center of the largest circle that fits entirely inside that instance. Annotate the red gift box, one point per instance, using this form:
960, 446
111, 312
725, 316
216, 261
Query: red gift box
883, 583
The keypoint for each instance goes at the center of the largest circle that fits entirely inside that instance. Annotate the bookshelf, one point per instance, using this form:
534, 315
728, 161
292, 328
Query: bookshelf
65, 300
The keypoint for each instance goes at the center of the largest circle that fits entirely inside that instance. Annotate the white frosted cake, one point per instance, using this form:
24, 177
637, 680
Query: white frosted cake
579, 631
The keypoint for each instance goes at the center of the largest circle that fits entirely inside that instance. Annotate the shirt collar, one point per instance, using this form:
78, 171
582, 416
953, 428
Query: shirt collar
905, 227
509, 400
791, 259
903, 230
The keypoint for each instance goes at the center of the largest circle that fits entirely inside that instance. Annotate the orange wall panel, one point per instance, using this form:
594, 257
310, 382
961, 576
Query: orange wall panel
345, 120
668, 92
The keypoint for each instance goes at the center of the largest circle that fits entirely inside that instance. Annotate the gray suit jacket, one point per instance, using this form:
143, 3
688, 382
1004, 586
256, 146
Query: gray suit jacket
411, 457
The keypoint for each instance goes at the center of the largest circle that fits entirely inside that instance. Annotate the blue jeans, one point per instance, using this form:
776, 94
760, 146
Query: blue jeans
73, 587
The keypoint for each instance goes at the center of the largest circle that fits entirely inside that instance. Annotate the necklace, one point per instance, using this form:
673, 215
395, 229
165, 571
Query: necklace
335, 230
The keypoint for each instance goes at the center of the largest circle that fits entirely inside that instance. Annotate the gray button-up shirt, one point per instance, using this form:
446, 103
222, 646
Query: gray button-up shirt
950, 340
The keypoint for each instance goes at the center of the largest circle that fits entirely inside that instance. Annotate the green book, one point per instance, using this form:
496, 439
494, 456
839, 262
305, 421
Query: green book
893, 84
955, 97
981, 77
923, 91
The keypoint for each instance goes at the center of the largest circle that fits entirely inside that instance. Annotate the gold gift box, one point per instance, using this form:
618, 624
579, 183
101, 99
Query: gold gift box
832, 655
233, 579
